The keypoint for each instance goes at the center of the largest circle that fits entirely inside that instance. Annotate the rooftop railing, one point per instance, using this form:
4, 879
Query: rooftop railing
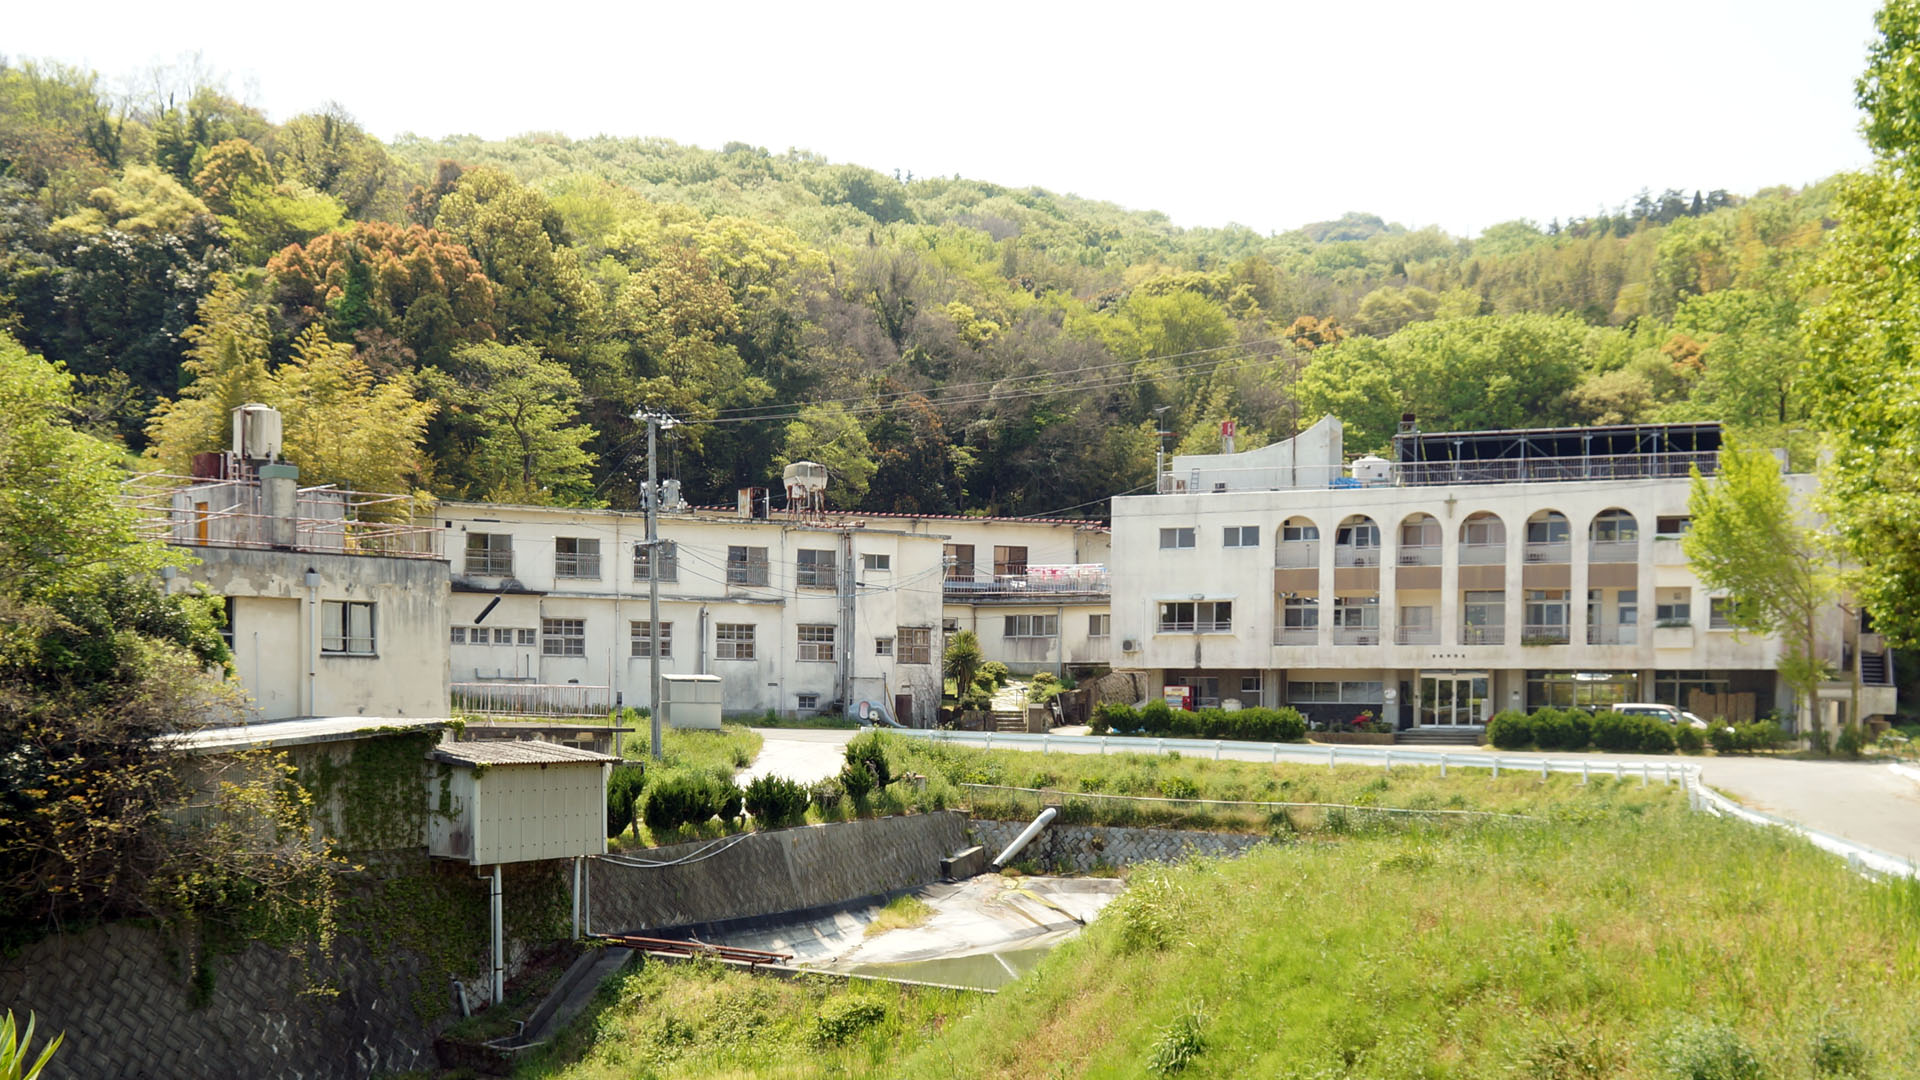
1663, 465
198, 512
1091, 579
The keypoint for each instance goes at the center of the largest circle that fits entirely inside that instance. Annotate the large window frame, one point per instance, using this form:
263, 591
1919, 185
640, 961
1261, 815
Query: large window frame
1195, 616
565, 638
734, 641
576, 557
815, 644
913, 645
816, 568
643, 561
489, 554
1030, 626
640, 639
746, 565
347, 628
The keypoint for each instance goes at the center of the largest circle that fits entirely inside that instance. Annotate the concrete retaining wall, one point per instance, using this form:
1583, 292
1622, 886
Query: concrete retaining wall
1080, 848
768, 873
122, 1001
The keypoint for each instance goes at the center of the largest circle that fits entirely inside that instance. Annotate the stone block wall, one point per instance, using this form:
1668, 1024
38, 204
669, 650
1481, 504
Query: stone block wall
772, 872
1079, 849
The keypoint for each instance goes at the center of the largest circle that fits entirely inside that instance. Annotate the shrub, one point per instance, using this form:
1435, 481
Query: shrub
825, 793
1622, 733
623, 797
689, 797
1551, 729
1689, 739
1838, 1052
841, 1019
1849, 743
1579, 731
870, 750
1115, 716
1723, 738
1188, 724
775, 801
1652, 736
1156, 717
1178, 787
857, 780
1177, 1044
1698, 1051
1044, 687
1510, 730
1760, 735
994, 673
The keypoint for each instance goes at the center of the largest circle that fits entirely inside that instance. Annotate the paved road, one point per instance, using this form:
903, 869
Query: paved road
1866, 803
803, 754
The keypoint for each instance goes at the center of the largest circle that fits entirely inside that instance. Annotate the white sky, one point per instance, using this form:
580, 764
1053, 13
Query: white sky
1270, 114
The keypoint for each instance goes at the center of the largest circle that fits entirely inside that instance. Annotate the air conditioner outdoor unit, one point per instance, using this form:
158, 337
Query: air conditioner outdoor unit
1129, 645
1536, 556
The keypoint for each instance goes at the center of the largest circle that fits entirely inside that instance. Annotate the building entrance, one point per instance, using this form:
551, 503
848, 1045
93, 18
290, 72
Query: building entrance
1453, 699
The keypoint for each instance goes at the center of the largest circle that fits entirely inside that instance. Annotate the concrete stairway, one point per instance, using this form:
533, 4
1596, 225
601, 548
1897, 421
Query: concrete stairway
570, 997
1437, 736
1009, 721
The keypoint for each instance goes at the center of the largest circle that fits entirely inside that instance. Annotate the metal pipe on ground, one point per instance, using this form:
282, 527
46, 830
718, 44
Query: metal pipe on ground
1026, 836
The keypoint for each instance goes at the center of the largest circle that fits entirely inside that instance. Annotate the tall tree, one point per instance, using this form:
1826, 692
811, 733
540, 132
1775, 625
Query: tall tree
1751, 541
515, 439
1864, 340
227, 361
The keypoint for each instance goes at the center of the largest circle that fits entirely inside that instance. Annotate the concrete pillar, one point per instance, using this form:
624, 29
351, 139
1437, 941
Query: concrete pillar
280, 503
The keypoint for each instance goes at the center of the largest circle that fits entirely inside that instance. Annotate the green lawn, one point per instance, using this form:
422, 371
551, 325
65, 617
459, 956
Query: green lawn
1624, 938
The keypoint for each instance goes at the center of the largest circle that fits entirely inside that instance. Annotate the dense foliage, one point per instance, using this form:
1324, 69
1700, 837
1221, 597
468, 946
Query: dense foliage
494, 313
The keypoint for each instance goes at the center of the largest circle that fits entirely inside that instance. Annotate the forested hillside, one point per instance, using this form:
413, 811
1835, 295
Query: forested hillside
482, 319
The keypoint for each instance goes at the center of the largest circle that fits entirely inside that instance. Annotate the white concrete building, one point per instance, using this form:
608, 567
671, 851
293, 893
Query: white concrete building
796, 615
336, 601
1478, 571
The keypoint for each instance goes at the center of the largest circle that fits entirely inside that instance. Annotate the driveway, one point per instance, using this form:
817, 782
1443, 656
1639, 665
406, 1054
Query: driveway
802, 754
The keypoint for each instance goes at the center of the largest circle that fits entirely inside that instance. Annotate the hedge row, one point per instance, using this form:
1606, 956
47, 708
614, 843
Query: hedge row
1577, 729
1158, 719
689, 797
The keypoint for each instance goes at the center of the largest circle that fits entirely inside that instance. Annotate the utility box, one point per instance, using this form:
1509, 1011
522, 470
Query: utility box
691, 701
500, 802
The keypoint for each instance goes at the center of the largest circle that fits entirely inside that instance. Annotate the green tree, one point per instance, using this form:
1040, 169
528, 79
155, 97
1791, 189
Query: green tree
341, 426
1864, 340
961, 662
329, 152
516, 440
831, 436
227, 358
1750, 541
98, 665
519, 239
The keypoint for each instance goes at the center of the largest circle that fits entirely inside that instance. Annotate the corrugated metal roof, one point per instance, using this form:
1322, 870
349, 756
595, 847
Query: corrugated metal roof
512, 752
295, 732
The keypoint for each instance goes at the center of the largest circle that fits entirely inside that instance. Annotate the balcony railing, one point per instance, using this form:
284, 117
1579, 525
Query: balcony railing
1558, 551
1416, 635
1482, 554
751, 572
574, 565
1296, 554
1195, 626
1483, 635
1424, 555
1613, 635
1075, 580
1657, 465
1613, 551
1296, 635
1356, 635
1346, 555
531, 699
1544, 634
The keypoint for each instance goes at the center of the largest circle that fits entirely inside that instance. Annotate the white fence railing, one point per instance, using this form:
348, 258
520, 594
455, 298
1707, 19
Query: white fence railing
1699, 796
532, 699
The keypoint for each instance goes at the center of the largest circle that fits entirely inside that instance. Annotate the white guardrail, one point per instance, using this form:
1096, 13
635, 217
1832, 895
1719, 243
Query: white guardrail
1699, 796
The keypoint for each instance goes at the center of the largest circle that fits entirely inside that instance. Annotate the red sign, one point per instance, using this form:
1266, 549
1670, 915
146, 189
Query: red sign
1226, 427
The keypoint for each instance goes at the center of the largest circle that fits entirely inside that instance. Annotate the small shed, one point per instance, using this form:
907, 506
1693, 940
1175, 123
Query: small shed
691, 701
508, 802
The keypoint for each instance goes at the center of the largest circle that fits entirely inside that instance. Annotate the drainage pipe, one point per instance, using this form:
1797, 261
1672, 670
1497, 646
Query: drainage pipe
499, 950
1026, 836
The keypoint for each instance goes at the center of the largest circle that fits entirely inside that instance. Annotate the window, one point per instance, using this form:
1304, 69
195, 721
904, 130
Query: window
1241, 536
1483, 530
502, 635
1364, 535
816, 643
1038, 626
1356, 612
815, 567
230, 608
1251, 686
959, 559
1362, 693
1099, 625
459, 635
876, 564
1204, 617
526, 637
1672, 525
1420, 532
949, 626
1673, 607
641, 631
1615, 527
490, 554
1550, 529
346, 627
913, 645
1416, 618
643, 560
1009, 561
746, 566
1485, 617
883, 646
1629, 607
733, 641
1301, 613
1176, 538
563, 637
807, 701
1720, 613
1292, 533
574, 557
1547, 608
1310, 693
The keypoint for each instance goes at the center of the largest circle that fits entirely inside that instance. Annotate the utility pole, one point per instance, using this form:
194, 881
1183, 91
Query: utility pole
655, 421
1159, 450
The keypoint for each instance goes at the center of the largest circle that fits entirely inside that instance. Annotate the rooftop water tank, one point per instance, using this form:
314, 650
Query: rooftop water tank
807, 476
1372, 470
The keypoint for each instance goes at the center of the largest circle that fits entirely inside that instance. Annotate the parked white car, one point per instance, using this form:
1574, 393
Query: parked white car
1672, 714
